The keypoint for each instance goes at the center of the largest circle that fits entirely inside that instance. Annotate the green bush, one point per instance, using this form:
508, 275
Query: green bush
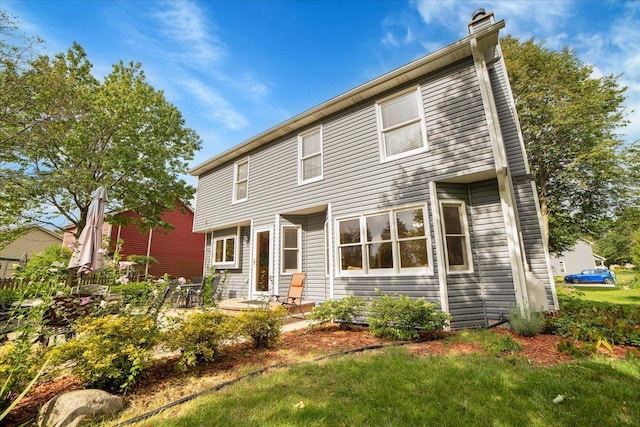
19, 363
573, 350
199, 337
9, 296
502, 344
400, 317
526, 322
110, 352
135, 293
594, 321
51, 263
343, 311
262, 326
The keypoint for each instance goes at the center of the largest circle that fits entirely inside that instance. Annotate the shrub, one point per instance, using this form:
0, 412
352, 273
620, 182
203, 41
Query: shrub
51, 263
594, 321
19, 363
262, 326
502, 344
199, 337
135, 293
110, 352
9, 296
573, 350
400, 317
526, 322
343, 311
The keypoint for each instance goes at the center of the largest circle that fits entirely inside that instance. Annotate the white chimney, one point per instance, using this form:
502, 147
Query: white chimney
480, 19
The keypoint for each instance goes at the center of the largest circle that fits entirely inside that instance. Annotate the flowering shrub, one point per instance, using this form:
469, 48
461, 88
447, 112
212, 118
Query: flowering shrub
110, 352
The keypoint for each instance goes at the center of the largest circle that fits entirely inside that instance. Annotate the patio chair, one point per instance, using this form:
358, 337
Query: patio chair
294, 299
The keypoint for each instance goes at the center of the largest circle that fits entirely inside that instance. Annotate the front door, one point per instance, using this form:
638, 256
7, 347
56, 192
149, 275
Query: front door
262, 262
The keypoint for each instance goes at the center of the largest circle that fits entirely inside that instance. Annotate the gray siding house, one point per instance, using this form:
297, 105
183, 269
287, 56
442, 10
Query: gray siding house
414, 183
578, 258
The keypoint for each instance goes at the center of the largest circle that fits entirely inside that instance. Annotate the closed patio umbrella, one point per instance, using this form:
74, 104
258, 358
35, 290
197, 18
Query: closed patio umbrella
88, 255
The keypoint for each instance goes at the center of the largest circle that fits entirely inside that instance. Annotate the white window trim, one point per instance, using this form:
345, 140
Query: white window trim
396, 270
301, 180
298, 229
236, 238
467, 235
383, 155
235, 182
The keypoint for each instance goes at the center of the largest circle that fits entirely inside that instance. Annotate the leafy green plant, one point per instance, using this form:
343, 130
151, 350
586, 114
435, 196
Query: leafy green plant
593, 321
400, 317
502, 344
343, 311
19, 363
262, 326
214, 287
526, 321
572, 349
110, 352
52, 262
135, 293
199, 337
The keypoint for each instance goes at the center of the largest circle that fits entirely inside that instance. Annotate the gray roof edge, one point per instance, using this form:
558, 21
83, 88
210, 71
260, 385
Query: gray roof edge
351, 97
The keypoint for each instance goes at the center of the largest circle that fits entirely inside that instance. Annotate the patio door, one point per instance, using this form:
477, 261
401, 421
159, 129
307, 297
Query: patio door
262, 263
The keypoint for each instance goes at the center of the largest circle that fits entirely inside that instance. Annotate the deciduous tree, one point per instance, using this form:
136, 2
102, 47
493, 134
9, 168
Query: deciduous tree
569, 119
70, 133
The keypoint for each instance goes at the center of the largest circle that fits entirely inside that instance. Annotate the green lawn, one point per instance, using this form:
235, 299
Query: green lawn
395, 388
602, 294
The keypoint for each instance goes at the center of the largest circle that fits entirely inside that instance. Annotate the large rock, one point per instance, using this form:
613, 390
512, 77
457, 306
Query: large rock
78, 408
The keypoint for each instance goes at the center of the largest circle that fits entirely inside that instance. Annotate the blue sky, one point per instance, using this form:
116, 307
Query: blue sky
237, 68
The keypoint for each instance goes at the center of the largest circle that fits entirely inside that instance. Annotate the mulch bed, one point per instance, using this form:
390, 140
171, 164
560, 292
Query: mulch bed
296, 346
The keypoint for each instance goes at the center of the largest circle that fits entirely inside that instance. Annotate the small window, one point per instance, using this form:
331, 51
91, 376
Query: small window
291, 254
224, 250
310, 156
563, 268
379, 243
401, 124
349, 246
241, 180
456, 234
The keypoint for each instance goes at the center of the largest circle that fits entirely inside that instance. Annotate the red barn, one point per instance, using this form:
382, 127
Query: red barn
179, 251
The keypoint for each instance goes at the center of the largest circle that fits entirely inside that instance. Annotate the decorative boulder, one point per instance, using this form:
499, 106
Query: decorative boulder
78, 408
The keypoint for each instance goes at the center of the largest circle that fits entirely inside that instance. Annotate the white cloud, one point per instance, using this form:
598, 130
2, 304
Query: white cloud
183, 23
215, 105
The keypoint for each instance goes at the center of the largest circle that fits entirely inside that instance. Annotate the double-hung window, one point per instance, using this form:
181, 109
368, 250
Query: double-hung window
291, 254
310, 156
456, 235
390, 242
401, 125
224, 250
241, 180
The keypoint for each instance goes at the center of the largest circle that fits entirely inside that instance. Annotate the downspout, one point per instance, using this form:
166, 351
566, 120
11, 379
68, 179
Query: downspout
504, 179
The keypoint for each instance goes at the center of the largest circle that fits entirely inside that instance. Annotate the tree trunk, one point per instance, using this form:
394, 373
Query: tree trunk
544, 211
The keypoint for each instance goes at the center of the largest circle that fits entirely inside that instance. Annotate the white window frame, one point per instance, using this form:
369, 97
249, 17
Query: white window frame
395, 242
224, 239
462, 212
298, 229
301, 158
382, 130
236, 181
563, 267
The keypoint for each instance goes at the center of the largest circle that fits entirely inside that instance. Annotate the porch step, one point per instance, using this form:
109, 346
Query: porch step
236, 305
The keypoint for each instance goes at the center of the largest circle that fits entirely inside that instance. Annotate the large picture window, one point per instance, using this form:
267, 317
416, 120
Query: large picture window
310, 156
401, 124
384, 243
291, 254
241, 180
456, 235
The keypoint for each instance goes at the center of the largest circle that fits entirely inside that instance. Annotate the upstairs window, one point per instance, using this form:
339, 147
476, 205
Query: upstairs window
456, 235
241, 180
310, 156
401, 125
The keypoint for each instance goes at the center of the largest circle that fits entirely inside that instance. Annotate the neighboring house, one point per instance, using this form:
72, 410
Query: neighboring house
34, 240
414, 183
179, 251
576, 259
